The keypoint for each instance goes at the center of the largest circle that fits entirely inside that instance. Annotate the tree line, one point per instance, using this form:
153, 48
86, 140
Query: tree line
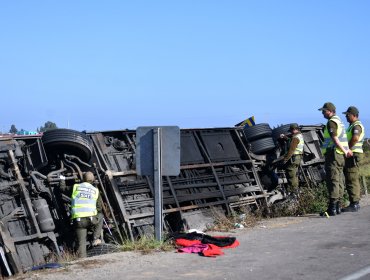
47, 126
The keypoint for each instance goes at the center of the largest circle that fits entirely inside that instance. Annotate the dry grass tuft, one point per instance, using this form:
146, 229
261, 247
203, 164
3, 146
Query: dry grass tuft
242, 218
146, 245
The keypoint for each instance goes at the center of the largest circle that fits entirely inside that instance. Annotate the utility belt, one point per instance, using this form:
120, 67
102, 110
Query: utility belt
295, 156
79, 219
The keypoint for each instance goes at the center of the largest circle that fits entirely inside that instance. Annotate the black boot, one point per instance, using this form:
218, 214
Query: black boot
332, 209
338, 208
352, 207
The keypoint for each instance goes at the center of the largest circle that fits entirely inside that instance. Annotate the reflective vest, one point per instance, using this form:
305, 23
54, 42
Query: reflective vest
342, 136
299, 149
357, 148
84, 197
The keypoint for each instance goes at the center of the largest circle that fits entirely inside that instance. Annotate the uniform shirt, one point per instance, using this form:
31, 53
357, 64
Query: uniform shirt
357, 130
64, 188
333, 128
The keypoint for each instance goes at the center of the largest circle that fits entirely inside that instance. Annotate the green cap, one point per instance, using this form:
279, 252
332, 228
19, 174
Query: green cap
293, 126
352, 110
327, 106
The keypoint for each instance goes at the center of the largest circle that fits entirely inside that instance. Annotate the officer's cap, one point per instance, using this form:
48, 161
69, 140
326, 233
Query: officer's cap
328, 106
293, 126
351, 110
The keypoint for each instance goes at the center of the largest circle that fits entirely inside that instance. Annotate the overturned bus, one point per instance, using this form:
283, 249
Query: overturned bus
221, 169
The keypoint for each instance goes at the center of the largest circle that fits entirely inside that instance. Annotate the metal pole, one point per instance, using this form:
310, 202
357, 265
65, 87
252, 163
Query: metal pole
157, 179
102, 187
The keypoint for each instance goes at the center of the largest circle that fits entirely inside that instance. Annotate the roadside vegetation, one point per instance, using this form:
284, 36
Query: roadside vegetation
146, 245
243, 218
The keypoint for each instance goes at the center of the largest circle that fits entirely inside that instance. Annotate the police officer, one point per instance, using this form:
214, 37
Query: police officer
292, 159
86, 208
335, 149
355, 135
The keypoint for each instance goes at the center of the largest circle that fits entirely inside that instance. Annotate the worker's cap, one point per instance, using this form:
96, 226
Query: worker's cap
293, 126
351, 110
327, 106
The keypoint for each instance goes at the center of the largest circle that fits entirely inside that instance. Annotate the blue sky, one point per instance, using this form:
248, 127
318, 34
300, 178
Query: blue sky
110, 65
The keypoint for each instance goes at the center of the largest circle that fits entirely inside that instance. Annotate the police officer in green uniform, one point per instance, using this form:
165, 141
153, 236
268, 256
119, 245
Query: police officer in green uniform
355, 135
86, 211
292, 159
335, 149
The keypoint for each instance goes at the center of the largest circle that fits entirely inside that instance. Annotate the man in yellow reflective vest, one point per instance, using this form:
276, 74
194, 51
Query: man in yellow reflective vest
292, 159
335, 149
355, 135
86, 211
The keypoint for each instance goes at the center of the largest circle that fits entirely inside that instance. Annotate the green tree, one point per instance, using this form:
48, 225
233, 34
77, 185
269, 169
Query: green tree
13, 129
47, 126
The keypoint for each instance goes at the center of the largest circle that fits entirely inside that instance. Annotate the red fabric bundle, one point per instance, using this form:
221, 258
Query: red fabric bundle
211, 251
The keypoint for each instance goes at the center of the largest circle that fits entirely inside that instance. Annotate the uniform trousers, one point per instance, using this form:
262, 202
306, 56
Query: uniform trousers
82, 226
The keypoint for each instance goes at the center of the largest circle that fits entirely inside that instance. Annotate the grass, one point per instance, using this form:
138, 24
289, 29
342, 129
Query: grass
66, 256
313, 199
146, 245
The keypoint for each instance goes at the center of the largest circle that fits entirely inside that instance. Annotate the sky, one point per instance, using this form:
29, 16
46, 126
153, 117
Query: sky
111, 65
